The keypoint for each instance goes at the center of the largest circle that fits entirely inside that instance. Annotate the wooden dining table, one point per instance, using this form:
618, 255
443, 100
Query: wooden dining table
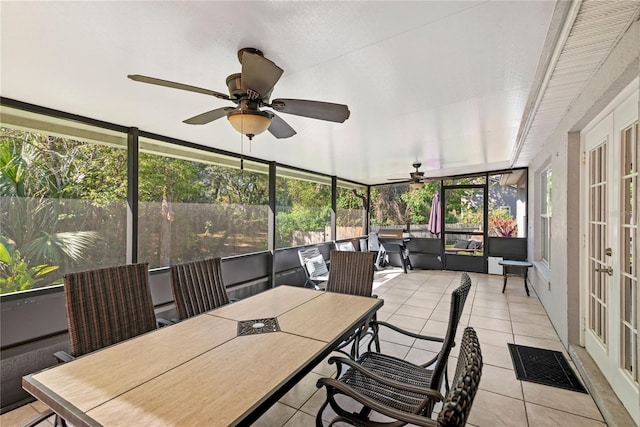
224, 367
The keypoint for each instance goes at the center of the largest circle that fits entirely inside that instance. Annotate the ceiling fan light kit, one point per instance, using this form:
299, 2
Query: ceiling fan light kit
250, 90
249, 123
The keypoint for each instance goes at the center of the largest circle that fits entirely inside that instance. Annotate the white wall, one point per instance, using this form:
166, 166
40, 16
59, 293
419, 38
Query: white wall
558, 288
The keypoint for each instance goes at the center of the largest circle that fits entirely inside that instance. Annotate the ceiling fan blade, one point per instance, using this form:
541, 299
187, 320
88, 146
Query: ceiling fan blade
174, 85
209, 116
279, 128
259, 74
313, 109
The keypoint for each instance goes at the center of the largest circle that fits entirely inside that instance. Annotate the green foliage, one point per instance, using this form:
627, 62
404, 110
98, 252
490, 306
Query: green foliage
102, 174
15, 273
302, 206
13, 170
419, 202
397, 204
350, 199
179, 180
387, 207
37, 173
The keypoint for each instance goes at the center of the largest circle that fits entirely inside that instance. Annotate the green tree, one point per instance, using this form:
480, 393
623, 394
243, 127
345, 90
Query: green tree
36, 172
302, 206
387, 206
419, 202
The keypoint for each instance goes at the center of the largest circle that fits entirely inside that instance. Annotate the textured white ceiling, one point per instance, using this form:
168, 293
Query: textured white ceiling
445, 83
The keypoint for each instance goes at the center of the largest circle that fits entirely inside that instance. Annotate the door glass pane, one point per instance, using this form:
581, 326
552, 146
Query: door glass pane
628, 247
507, 204
598, 297
464, 219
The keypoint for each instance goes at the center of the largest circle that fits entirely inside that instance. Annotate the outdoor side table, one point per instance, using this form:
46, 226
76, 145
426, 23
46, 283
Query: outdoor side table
524, 265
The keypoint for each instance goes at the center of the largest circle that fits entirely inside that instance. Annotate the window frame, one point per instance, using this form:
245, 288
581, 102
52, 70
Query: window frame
545, 180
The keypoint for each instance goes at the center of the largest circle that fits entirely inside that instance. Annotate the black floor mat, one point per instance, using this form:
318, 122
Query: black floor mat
543, 366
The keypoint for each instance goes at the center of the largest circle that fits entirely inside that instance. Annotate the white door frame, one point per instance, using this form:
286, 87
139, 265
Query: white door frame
607, 126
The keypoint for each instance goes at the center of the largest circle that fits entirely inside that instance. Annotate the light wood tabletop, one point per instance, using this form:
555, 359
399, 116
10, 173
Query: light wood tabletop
199, 371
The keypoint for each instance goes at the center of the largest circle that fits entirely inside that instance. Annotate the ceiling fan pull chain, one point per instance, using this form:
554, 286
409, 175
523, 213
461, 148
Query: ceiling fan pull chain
241, 142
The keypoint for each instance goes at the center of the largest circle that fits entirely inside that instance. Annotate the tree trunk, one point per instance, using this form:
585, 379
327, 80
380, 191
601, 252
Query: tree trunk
165, 231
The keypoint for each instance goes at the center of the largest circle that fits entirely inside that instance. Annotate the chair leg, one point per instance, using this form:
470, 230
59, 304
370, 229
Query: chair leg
319, 422
526, 287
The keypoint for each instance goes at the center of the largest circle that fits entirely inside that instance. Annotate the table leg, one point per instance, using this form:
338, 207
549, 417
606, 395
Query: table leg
504, 286
526, 287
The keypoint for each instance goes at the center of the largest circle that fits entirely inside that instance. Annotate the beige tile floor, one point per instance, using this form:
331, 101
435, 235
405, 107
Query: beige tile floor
419, 301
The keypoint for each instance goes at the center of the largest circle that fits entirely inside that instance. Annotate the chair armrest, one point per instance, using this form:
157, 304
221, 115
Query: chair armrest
409, 333
63, 356
434, 394
331, 383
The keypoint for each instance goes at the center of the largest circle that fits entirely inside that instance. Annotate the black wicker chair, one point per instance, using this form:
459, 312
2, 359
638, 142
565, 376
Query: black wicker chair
403, 401
197, 287
352, 273
104, 307
428, 375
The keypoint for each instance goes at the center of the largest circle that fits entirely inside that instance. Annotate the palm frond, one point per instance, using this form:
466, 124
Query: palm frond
59, 247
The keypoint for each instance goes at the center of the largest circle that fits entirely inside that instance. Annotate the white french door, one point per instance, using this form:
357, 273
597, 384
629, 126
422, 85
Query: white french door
610, 253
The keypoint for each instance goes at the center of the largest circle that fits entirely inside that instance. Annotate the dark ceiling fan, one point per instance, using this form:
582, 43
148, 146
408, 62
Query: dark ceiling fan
250, 90
417, 177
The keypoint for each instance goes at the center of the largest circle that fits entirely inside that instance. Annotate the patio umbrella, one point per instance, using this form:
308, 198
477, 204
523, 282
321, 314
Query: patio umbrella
434, 217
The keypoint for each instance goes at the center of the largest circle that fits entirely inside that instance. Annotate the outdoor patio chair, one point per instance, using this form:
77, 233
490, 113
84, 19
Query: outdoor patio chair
470, 246
314, 266
429, 375
104, 307
434, 370
404, 400
375, 246
352, 273
197, 287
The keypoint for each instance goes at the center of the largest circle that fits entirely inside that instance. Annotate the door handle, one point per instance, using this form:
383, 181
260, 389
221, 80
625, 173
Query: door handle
607, 270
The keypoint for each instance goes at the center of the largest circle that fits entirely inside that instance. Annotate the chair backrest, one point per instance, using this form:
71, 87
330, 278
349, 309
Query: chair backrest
198, 287
458, 298
345, 246
351, 273
457, 403
374, 244
313, 262
107, 305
